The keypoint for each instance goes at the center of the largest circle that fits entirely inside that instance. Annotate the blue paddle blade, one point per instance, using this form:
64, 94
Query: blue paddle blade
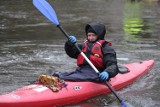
45, 8
123, 104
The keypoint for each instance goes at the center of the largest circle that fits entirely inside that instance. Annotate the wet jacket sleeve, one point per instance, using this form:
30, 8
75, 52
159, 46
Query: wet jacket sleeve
71, 50
110, 60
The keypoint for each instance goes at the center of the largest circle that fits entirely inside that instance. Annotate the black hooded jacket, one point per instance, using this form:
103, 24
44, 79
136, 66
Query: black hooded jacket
109, 60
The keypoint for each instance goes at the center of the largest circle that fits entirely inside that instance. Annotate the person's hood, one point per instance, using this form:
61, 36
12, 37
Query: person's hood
98, 28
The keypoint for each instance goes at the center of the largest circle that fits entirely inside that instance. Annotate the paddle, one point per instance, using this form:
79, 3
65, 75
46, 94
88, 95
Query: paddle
45, 8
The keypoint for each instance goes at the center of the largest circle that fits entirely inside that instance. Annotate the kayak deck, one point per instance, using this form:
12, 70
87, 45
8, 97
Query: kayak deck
37, 95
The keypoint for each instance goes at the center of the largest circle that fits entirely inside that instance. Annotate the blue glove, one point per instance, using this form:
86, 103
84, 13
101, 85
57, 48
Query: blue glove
72, 39
103, 76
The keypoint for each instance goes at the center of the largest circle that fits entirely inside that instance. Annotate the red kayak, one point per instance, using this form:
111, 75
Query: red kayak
37, 95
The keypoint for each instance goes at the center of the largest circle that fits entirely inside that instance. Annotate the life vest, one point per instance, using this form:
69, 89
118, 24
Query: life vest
96, 54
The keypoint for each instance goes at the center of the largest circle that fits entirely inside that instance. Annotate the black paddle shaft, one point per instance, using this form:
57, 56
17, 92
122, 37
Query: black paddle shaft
66, 34
113, 91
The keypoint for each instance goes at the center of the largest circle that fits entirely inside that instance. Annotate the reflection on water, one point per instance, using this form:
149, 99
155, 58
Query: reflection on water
136, 25
133, 22
29, 43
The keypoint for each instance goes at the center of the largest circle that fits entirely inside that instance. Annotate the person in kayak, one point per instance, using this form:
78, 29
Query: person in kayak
99, 52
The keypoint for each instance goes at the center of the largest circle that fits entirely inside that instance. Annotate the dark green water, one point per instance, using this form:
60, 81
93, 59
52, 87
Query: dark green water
29, 43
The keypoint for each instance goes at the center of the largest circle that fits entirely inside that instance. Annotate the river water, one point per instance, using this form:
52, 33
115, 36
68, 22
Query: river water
30, 44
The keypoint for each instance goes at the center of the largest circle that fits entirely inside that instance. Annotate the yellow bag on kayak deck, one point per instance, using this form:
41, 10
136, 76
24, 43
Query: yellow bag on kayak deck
51, 81
48, 80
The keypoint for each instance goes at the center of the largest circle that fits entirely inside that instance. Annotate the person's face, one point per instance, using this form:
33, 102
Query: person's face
91, 36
